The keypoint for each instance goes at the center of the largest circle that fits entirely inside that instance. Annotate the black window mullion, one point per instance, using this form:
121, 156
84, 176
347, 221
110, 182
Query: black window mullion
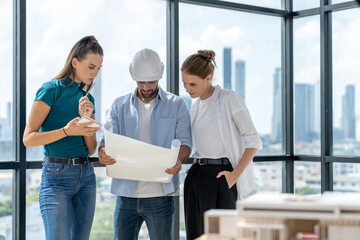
172, 45
172, 62
287, 96
326, 97
19, 99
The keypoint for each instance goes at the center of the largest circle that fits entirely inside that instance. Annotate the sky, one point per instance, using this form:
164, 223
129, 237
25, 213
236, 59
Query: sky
123, 28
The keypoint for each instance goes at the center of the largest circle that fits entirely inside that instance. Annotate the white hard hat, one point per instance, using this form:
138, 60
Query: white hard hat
146, 66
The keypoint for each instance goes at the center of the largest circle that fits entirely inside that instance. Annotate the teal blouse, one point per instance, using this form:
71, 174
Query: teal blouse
63, 99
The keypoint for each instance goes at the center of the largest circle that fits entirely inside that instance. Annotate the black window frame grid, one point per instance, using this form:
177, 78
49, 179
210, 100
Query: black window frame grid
326, 158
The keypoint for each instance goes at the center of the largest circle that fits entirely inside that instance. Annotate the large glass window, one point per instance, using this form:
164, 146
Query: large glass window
307, 85
121, 27
346, 84
6, 83
248, 58
6, 203
248, 55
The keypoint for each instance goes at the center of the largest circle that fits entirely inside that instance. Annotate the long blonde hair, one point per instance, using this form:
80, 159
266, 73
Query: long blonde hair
86, 45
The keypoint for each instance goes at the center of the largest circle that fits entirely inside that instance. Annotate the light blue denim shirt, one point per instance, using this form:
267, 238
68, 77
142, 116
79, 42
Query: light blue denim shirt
170, 119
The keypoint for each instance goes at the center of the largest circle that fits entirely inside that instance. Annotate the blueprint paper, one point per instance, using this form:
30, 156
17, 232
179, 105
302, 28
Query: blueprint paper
136, 160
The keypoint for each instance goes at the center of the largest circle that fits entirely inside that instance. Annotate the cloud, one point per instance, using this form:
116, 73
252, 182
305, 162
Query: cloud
308, 31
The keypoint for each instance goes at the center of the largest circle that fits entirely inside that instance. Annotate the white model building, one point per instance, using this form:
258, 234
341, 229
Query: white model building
331, 216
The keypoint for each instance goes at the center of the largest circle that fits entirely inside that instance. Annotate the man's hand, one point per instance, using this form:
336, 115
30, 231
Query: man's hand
175, 169
105, 159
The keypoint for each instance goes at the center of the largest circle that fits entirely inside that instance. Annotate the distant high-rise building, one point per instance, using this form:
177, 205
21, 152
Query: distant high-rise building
315, 127
9, 114
304, 112
240, 78
96, 92
348, 112
227, 68
276, 121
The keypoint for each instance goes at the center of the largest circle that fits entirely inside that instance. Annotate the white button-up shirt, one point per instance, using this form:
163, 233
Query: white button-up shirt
237, 132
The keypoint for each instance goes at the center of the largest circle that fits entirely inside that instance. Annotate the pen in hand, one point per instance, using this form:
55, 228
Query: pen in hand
88, 91
85, 106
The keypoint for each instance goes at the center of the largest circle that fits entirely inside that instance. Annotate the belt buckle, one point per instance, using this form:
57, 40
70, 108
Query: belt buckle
200, 162
73, 162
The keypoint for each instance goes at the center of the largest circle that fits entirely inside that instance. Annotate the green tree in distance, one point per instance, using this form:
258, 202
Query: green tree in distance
5, 208
306, 190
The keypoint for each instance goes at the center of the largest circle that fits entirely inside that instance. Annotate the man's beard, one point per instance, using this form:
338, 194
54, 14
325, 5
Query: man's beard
149, 94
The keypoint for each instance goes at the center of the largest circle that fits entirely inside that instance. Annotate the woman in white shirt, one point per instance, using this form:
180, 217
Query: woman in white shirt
225, 144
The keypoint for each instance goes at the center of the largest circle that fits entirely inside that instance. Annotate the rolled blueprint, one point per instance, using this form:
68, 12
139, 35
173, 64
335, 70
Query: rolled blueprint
136, 160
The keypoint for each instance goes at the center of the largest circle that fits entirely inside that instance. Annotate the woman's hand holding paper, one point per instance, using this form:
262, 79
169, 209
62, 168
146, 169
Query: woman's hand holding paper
75, 129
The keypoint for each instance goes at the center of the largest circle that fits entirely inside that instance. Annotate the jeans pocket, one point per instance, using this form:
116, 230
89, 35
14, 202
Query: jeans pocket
54, 168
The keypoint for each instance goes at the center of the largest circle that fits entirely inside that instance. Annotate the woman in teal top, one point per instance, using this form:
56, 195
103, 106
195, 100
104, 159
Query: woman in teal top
68, 184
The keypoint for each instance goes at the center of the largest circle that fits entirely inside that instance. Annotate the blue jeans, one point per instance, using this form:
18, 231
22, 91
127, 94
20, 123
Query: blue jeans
67, 200
158, 214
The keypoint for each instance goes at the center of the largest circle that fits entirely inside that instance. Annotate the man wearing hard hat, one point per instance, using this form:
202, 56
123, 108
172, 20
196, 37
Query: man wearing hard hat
154, 116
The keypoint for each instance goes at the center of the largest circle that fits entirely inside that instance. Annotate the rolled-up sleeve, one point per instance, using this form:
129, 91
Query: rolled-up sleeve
183, 125
244, 123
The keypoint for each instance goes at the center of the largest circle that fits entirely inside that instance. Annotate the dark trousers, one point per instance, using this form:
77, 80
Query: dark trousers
202, 192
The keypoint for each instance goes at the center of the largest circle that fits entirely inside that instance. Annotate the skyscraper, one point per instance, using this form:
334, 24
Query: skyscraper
9, 114
276, 121
348, 112
240, 78
96, 92
227, 68
316, 122
304, 112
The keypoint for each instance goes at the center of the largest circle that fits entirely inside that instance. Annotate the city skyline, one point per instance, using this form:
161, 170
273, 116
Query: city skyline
239, 76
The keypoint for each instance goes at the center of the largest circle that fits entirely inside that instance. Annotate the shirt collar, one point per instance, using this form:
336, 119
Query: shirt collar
214, 96
69, 82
